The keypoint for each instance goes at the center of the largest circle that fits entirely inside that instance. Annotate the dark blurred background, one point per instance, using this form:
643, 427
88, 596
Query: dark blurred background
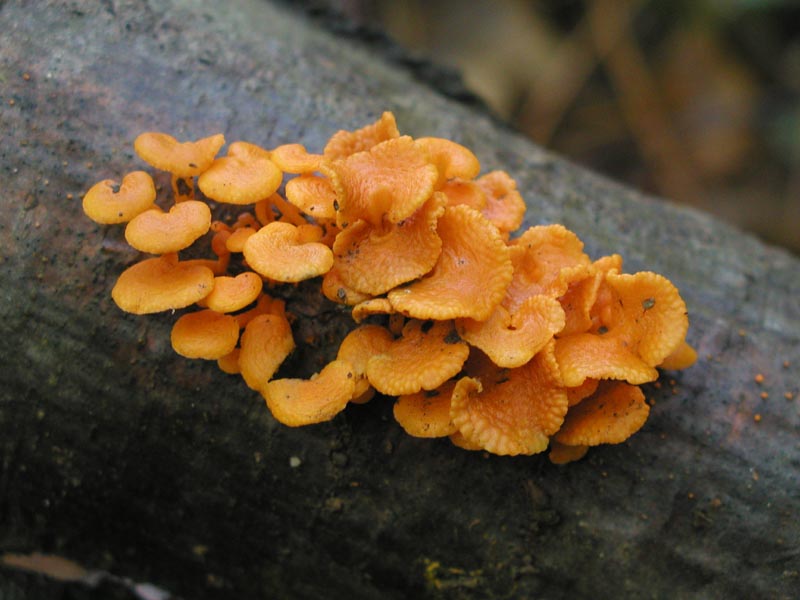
695, 100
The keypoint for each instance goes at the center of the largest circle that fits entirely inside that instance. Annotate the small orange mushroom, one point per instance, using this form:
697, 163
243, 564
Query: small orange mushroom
230, 362
426, 414
584, 390
586, 355
546, 259
373, 260
504, 204
357, 348
108, 203
512, 340
248, 150
427, 355
296, 402
640, 320
294, 158
499, 345
613, 414
582, 292
161, 283
453, 160
276, 252
245, 176
651, 307
233, 293
344, 143
205, 334
236, 240
389, 181
313, 195
683, 357
561, 454
157, 232
460, 441
266, 342
460, 191
310, 233
182, 159
335, 289
373, 306
511, 411
469, 279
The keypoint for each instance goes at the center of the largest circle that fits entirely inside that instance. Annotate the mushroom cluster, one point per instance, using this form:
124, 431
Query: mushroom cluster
505, 342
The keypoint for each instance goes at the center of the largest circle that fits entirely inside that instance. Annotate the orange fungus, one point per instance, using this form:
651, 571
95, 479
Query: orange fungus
509, 343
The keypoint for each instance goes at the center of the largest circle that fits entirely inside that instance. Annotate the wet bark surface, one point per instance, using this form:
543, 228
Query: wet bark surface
120, 455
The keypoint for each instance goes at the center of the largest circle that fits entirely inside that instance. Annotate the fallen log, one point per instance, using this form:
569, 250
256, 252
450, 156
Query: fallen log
133, 462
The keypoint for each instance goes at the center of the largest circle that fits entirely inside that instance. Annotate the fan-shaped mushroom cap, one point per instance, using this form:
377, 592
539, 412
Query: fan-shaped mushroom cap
469, 279
452, 159
248, 150
615, 412
460, 191
245, 176
309, 233
107, 204
512, 340
546, 258
237, 239
276, 253
511, 411
335, 290
373, 306
504, 205
344, 143
230, 362
683, 357
424, 358
459, 440
581, 294
641, 320
205, 334
182, 159
161, 283
358, 347
427, 413
374, 260
266, 342
312, 194
296, 402
561, 454
157, 232
233, 293
389, 181
584, 390
294, 158
588, 355
649, 312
